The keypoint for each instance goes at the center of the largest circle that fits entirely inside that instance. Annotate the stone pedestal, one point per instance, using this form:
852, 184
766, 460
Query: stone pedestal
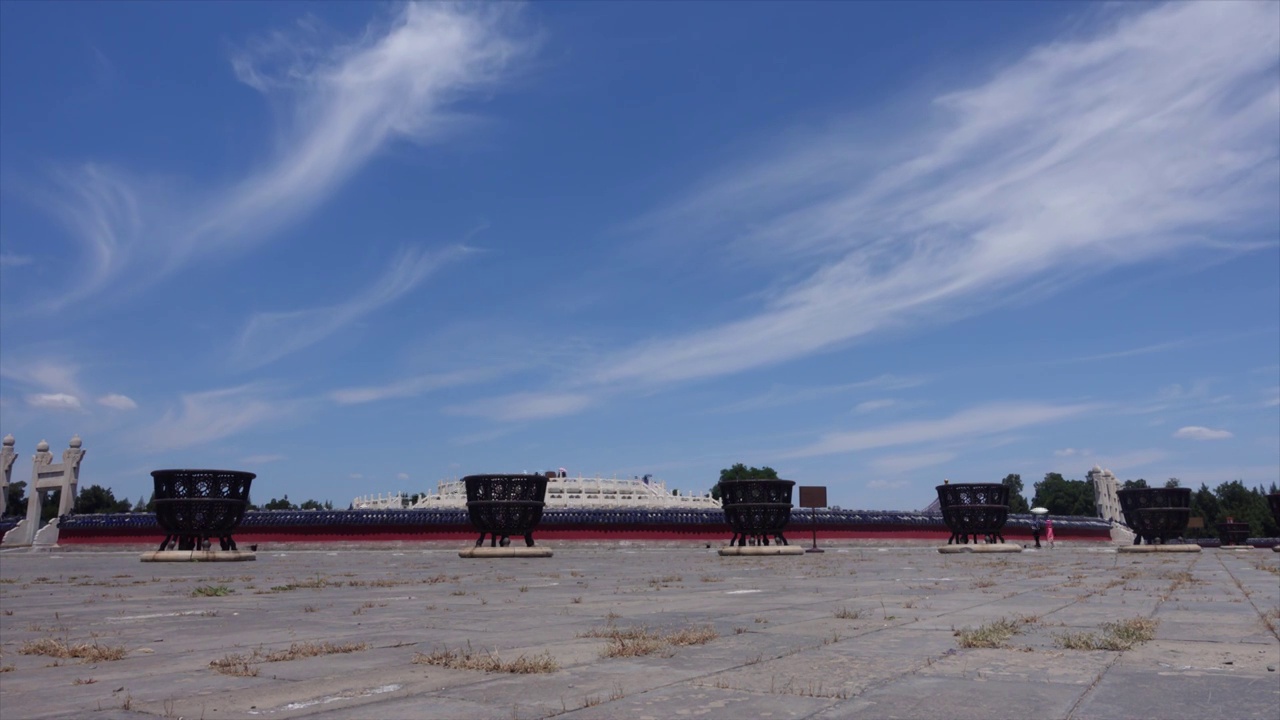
992, 548
198, 556
1159, 549
505, 552
760, 550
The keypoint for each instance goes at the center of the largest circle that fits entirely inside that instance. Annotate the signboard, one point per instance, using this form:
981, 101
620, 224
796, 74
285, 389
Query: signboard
813, 496
1195, 522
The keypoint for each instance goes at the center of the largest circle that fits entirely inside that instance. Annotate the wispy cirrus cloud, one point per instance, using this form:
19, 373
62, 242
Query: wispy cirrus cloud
1196, 432
209, 416
873, 405
1151, 136
525, 406
54, 401
781, 395
410, 387
980, 421
15, 260
343, 102
895, 464
270, 336
117, 401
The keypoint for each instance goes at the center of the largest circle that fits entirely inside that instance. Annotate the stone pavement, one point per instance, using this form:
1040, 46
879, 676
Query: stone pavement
641, 631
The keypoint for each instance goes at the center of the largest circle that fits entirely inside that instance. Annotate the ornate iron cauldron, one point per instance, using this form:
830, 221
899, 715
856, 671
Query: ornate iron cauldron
195, 505
756, 508
505, 505
1233, 533
1155, 514
973, 509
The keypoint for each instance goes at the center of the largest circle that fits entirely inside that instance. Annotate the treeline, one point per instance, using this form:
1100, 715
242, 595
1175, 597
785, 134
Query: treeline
95, 499
1231, 499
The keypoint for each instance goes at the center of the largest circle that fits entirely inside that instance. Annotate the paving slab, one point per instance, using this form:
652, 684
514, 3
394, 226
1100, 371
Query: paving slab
858, 631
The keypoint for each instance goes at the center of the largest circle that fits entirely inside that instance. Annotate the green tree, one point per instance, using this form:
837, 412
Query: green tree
311, 505
95, 499
742, 472
16, 498
1204, 504
1173, 483
49, 501
282, 504
1065, 497
1244, 505
1138, 484
140, 506
1017, 502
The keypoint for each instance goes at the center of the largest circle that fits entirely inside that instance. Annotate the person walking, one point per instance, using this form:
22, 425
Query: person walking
1035, 530
1048, 532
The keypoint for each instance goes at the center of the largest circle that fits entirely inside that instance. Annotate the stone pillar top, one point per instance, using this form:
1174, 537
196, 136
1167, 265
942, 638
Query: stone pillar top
42, 446
75, 441
8, 440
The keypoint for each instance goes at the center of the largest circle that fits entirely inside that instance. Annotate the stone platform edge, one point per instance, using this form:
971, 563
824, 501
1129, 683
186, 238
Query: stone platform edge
198, 556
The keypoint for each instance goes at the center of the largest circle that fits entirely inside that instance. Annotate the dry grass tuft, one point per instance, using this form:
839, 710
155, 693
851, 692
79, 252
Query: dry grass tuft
991, 635
211, 591
244, 665
847, 614
237, 665
1116, 636
86, 652
639, 641
488, 662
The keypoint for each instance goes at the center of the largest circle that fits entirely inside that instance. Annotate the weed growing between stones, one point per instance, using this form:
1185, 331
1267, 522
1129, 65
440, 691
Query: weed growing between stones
991, 635
243, 665
211, 591
1116, 636
85, 652
638, 641
488, 661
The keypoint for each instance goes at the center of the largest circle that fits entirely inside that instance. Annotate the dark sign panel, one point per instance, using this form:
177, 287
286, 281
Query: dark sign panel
813, 496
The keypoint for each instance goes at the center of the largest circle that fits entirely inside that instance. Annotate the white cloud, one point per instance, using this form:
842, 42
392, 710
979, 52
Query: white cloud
409, 387
886, 484
117, 401
54, 401
210, 416
263, 459
53, 376
343, 102
973, 422
893, 464
1133, 459
1153, 136
402, 476
525, 406
1195, 432
12, 260
873, 405
1072, 452
272, 335
780, 395
356, 476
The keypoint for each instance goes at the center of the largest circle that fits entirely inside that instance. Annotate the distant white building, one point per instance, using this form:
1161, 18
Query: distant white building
1104, 494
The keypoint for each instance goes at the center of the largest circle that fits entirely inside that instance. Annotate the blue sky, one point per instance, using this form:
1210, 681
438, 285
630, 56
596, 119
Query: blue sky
358, 248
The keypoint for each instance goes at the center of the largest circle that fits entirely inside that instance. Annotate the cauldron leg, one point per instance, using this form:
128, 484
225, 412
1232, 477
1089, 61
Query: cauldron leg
505, 541
764, 540
781, 540
528, 539
493, 539
480, 541
165, 542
